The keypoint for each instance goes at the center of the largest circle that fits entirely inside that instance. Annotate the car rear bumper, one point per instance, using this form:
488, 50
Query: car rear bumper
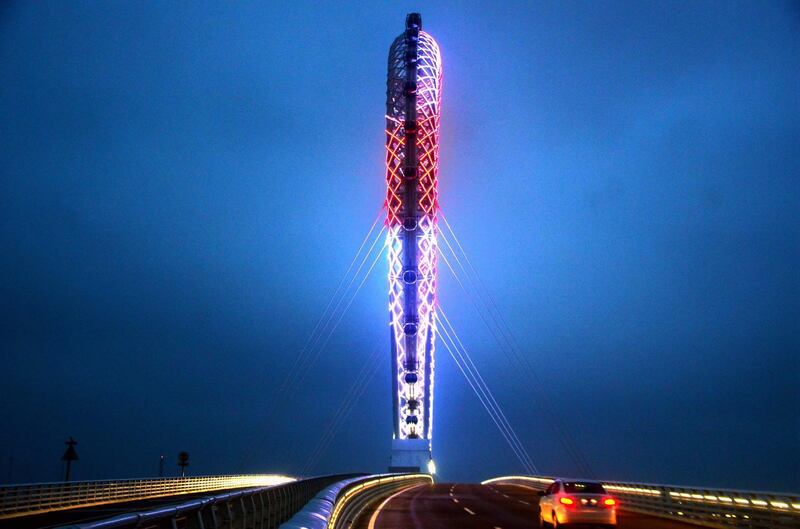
588, 516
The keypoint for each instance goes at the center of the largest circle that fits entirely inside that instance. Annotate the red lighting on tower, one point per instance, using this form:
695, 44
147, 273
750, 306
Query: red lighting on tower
412, 164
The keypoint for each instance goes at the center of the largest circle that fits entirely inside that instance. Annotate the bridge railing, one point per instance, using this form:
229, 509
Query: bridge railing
39, 498
338, 506
258, 508
719, 508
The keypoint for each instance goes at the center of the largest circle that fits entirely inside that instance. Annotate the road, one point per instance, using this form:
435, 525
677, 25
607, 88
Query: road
466, 506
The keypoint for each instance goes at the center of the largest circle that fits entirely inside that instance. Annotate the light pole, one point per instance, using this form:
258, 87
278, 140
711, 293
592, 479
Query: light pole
183, 462
69, 456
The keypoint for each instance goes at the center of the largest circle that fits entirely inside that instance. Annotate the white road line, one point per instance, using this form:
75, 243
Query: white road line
455, 500
375, 514
498, 527
505, 496
525, 502
469, 511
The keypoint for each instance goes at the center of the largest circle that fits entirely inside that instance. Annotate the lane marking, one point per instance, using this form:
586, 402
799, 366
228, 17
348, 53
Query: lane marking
505, 496
455, 500
498, 527
472, 513
525, 502
374, 516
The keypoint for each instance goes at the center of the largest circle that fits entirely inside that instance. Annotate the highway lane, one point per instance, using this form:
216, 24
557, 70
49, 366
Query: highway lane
468, 506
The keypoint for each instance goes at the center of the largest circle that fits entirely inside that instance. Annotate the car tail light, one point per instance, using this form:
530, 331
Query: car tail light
609, 502
566, 501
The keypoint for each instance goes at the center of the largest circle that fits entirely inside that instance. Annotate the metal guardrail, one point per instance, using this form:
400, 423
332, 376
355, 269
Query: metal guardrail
718, 508
258, 508
352, 501
338, 506
39, 498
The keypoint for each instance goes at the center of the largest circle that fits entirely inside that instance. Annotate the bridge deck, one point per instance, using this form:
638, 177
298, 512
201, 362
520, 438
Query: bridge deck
463, 506
99, 512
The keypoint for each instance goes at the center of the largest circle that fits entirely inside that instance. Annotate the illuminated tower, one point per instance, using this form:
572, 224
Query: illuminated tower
413, 100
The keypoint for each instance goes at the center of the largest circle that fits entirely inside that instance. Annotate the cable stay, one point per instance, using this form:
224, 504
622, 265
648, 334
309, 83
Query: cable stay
512, 346
469, 377
543, 401
344, 310
362, 380
483, 393
299, 366
303, 368
447, 326
507, 341
334, 297
310, 355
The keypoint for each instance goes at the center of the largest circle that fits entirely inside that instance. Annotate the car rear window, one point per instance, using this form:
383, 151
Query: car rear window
581, 487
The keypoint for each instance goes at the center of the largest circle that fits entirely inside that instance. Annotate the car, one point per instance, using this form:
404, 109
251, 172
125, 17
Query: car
567, 502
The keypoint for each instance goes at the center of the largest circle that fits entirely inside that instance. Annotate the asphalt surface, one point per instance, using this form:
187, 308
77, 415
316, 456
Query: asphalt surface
439, 506
464, 506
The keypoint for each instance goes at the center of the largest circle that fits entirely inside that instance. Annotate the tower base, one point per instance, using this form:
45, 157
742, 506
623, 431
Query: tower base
410, 455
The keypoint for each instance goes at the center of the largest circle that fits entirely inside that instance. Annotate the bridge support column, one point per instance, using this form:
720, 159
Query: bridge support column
410, 455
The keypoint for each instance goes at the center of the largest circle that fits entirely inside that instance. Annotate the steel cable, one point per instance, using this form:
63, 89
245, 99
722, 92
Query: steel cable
512, 345
324, 316
543, 403
483, 402
342, 314
482, 382
327, 314
358, 387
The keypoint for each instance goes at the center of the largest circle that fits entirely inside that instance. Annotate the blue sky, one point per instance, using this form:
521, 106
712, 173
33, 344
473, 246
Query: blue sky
184, 184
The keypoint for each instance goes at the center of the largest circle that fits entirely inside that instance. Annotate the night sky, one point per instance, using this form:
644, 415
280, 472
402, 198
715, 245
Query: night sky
184, 183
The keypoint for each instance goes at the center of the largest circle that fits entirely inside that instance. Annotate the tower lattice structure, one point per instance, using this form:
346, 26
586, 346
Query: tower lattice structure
412, 164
